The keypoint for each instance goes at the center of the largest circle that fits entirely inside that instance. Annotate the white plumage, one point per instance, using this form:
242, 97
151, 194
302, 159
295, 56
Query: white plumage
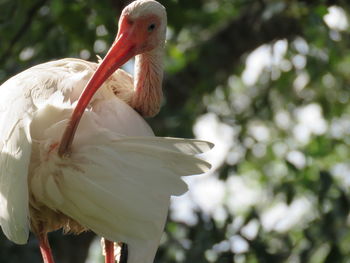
117, 180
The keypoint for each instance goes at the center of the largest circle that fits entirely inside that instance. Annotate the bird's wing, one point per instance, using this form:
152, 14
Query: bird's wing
15, 151
117, 186
19, 98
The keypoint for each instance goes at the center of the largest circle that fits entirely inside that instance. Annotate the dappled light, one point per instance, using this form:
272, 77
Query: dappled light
268, 82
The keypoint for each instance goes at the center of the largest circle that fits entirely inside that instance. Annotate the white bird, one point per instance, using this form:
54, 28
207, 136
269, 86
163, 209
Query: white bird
108, 174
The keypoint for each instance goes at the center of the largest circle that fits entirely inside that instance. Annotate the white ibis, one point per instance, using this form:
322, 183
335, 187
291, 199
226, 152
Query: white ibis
109, 174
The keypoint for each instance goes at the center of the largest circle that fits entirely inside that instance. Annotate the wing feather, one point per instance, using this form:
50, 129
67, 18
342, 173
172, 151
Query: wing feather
115, 185
15, 152
19, 98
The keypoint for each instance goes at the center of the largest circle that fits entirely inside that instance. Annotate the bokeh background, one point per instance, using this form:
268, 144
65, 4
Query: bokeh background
267, 81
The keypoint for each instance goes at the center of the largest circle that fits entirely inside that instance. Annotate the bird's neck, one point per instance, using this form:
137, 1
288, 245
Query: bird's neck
148, 78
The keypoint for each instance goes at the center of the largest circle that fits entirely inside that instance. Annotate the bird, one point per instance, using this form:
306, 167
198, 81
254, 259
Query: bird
77, 154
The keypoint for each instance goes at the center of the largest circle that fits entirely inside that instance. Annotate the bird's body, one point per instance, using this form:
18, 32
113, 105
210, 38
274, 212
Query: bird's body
109, 174
117, 166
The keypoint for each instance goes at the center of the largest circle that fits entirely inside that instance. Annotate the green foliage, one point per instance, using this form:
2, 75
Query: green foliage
289, 147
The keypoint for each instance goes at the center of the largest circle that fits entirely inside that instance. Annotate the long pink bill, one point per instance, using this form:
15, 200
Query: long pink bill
120, 52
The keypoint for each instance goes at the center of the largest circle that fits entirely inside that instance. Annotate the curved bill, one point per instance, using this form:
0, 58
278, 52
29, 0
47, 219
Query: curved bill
121, 51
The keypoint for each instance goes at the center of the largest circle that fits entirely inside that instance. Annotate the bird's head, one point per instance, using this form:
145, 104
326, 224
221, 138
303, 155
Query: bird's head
143, 25
142, 28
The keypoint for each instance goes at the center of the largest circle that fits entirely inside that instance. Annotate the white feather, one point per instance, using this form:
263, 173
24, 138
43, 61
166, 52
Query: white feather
15, 150
128, 180
20, 96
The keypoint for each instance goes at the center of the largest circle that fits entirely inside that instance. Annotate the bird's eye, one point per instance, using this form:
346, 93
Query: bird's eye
151, 27
130, 22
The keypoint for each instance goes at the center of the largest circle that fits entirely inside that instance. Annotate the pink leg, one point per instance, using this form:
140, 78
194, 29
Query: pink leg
45, 249
109, 251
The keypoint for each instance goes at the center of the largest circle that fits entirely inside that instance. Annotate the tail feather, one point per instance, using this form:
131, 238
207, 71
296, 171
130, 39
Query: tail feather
128, 182
186, 146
